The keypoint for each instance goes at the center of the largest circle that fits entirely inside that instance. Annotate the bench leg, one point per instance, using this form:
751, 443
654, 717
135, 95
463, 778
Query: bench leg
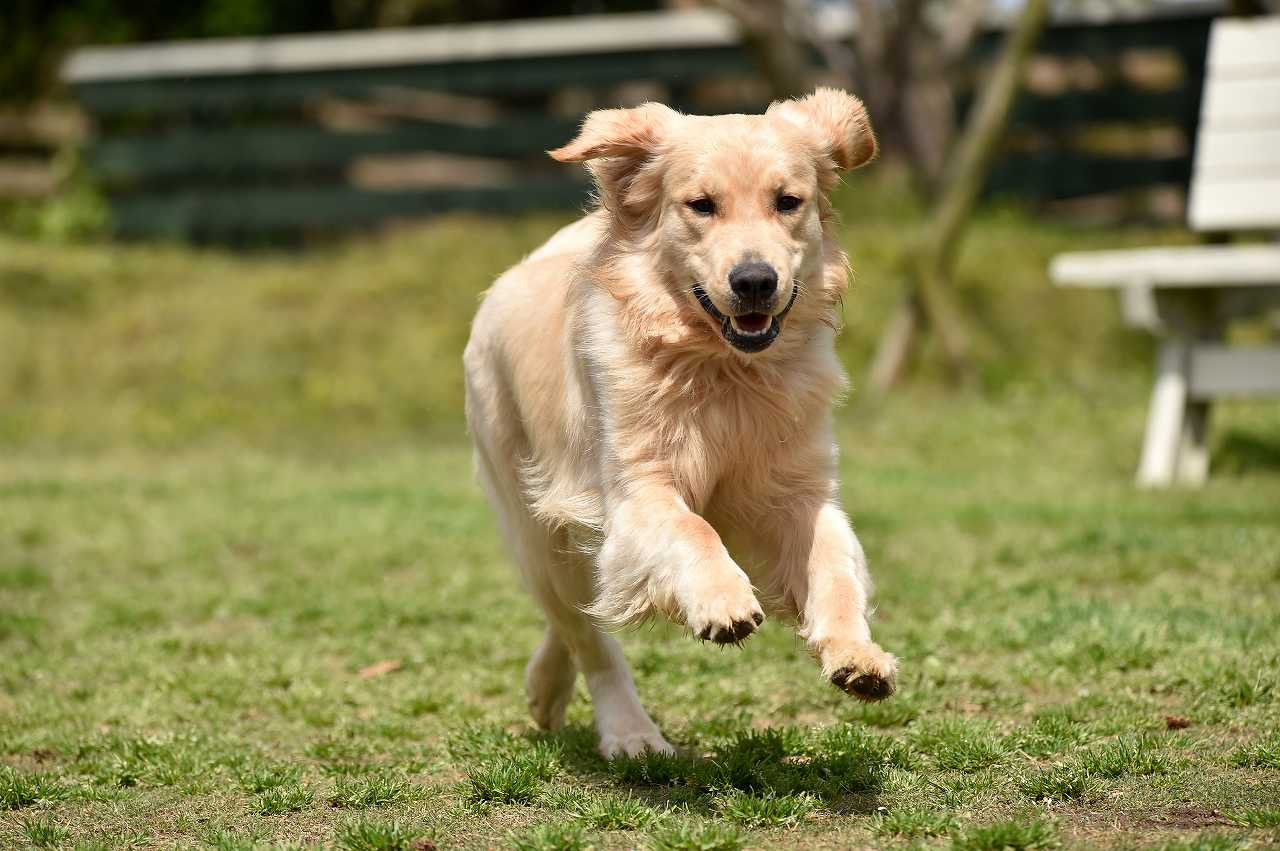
1165, 417
1193, 449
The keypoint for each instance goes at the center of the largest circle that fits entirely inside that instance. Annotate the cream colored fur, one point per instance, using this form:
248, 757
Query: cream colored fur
622, 440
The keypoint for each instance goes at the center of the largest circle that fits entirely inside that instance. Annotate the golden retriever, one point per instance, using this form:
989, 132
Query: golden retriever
657, 380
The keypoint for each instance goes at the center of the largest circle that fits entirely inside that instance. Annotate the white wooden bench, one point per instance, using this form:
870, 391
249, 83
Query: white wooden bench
1189, 295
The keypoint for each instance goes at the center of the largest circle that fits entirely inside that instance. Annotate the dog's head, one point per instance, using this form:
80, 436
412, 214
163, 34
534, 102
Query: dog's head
732, 207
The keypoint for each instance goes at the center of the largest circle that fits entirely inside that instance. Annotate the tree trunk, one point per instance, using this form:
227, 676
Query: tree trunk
928, 270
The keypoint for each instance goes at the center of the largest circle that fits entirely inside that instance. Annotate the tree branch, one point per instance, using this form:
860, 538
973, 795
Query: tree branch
768, 34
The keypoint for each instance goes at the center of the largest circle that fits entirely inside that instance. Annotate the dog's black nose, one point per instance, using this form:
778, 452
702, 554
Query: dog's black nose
753, 282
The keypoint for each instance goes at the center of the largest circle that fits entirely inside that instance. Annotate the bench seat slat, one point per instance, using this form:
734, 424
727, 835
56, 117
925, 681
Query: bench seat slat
1179, 266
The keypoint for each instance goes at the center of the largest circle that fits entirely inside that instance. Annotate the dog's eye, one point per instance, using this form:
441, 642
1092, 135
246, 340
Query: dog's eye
702, 206
787, 203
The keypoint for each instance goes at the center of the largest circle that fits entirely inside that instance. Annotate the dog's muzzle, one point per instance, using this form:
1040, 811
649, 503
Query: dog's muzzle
748, 332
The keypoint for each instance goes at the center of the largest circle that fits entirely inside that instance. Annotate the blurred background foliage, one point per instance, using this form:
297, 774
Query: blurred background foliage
357, 343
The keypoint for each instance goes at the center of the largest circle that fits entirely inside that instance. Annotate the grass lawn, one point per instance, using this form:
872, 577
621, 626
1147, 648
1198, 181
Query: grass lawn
249, 593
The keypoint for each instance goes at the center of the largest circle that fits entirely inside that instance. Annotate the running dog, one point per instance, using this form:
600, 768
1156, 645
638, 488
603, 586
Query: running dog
651, 391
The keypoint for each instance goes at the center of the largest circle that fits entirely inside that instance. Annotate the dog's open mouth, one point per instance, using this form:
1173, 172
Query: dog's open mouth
751, 324
746, 332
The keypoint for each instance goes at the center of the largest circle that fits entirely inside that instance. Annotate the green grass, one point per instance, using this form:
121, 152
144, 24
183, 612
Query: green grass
957, 744
1203, 842
1024, 832
551, 837
1264, 753
376, 835
768, 809
43, 833
1125, 757
18, 790
1258, 818
605, 812
1059, 782
282, 799
228, 485
363, 792
697, 836
913, 823
266, 778
512, 779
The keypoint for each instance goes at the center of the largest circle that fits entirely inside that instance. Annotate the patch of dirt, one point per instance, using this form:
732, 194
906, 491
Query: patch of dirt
1189, 816
33, 760
1106, 828
378, 669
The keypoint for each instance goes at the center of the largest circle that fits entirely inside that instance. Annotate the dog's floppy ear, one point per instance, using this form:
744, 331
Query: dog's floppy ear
632, 133
617, 144
837, 121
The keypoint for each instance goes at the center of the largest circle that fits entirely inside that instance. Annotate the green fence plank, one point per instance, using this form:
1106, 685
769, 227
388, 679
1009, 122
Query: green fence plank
1115, 104
248, 211
216, 94
1061, 175
1182, 33
284, 149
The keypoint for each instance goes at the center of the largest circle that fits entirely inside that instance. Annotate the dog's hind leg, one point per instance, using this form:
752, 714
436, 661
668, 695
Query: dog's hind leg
499, 441
625, 727
561, 583
560, 580
549, 680
551, 673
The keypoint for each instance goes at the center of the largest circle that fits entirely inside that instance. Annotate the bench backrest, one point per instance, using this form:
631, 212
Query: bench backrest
1235, 183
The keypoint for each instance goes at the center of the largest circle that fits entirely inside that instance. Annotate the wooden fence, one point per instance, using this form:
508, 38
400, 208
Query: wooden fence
253, 139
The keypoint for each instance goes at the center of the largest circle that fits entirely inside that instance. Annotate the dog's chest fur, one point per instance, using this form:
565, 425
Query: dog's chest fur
718, 428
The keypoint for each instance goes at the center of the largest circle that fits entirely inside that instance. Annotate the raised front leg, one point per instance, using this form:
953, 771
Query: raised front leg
657, 554
823, 576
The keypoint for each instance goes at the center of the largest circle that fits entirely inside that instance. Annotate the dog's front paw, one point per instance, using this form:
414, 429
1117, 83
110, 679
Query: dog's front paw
733, 632
725, 621
867, 673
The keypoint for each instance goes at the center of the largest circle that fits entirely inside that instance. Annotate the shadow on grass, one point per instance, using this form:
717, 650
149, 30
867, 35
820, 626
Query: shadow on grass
843, 768
1243, 452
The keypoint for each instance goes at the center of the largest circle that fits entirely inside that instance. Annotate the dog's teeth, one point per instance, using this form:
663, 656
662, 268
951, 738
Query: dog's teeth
747, 333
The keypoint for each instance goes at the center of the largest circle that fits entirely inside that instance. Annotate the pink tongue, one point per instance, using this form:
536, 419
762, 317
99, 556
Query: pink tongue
753, 322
